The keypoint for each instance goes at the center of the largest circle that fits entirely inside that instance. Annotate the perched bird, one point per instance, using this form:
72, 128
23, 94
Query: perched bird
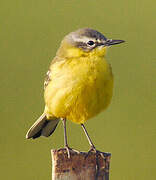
78, 84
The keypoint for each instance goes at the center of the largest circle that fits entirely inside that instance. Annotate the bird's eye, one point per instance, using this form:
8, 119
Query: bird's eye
90, 43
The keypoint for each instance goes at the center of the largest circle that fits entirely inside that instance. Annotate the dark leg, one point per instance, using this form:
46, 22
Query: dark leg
87, 135
93, 149
91, 143
65, 132
65, 137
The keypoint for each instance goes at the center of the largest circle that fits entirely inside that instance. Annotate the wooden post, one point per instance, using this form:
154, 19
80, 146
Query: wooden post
80, 165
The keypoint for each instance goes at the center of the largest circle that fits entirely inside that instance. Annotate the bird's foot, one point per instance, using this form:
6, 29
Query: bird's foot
97, 152
69, 150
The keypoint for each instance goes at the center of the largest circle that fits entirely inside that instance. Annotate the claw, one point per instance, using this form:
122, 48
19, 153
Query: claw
92, 149
97, 152
69, 150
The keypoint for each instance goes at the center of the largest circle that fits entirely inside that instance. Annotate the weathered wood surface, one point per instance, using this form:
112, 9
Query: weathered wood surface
80, 166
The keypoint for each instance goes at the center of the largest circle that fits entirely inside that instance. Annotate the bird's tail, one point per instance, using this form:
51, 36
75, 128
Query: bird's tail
42, 127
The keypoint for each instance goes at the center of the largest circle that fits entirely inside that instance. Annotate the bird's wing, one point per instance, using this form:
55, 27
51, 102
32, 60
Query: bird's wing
47, 79
48, 74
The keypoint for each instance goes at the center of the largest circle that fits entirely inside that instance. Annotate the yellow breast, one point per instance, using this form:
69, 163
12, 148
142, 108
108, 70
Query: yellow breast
80, 88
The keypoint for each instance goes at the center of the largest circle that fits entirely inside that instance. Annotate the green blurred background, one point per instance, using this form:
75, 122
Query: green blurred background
30, 33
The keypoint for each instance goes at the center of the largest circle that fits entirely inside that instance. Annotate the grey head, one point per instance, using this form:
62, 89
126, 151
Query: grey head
88, 39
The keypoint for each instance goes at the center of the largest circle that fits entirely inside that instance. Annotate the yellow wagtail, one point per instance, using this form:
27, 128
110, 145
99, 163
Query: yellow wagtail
78, 85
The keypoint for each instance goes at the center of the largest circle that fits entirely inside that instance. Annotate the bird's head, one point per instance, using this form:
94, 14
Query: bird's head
85, 42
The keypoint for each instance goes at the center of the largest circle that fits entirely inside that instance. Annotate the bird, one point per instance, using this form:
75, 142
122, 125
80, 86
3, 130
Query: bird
78, 84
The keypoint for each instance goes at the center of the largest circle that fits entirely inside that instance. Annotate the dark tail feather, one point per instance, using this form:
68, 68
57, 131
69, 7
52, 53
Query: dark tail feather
42, 127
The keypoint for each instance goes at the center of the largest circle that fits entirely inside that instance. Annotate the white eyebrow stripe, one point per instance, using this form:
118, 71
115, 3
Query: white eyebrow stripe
83, 39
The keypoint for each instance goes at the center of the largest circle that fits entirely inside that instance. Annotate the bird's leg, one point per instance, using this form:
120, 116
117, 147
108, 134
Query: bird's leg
65, 132
65, 137
93, 149
90, 142
87, 135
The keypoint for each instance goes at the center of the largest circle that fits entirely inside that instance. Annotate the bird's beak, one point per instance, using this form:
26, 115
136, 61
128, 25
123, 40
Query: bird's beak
110, 42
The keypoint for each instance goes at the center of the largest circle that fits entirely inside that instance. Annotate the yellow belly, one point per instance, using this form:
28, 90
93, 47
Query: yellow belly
79, 89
